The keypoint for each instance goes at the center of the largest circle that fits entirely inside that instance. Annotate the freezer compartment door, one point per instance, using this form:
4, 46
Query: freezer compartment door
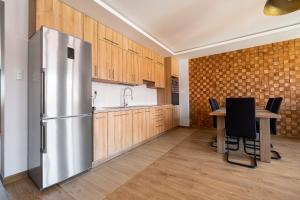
66, 148
66, 75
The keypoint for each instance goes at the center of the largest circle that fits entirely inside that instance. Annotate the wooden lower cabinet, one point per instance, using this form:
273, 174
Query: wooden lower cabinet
149, 124
176, 113
138, 126
119, 131
168, 119
100, 136
158, 118
115, 132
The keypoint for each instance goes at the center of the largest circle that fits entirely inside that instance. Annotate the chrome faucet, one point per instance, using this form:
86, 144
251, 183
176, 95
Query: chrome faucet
125, 103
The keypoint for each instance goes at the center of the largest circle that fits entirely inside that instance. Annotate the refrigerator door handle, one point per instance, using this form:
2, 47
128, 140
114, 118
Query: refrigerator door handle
43, 98
44, 137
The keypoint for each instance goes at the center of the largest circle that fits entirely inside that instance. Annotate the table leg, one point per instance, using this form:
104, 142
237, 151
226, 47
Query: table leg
221, 134
265, 138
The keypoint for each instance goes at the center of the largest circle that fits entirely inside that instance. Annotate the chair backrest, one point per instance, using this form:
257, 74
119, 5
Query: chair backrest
216, 104
269, 104
275, 109
240, 117
276, 105
213, 106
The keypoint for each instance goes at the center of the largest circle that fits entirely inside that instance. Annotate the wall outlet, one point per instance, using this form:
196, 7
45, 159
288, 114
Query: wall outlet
20, 74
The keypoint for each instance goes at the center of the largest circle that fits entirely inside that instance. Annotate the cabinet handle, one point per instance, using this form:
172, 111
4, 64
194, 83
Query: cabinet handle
113, 74
148, 58
132, 51
111, 41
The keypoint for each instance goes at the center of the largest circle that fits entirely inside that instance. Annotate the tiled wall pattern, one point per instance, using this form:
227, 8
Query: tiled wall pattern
261, 72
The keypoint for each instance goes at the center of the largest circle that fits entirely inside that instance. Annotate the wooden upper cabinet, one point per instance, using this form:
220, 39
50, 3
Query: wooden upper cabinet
109, 35
100, 136
71, 21
159, 71
56, 15
174, 67
160, 75
117, 63
133, 62
44, 13
90, 34
104, 61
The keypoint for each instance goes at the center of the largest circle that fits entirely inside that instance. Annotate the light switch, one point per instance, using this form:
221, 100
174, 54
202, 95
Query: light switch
19, 74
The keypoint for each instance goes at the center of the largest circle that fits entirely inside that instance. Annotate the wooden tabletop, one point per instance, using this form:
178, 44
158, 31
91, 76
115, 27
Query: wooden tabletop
260, 113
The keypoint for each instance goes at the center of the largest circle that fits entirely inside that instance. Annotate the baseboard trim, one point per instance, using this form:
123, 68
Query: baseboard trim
14, 178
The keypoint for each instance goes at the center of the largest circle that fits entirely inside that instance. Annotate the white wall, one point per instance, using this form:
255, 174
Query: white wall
111, 95
15, 111
184, 92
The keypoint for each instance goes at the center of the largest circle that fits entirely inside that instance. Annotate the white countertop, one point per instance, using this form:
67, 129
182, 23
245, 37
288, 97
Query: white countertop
120, 108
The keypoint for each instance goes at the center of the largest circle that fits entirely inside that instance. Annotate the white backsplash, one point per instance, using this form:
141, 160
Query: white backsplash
112, 95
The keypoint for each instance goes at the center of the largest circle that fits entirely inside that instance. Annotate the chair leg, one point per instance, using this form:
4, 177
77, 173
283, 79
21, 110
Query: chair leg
213, 144
254, 165
276, 156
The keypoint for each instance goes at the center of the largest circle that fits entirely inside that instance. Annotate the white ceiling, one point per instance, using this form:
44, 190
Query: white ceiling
189, 28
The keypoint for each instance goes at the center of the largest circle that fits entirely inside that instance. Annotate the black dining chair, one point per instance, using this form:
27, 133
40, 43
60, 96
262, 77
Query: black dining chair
273, 106
269, 104
241, 123
214, 105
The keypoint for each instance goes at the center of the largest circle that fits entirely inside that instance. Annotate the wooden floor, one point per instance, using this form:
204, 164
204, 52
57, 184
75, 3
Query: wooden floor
104, 179
180, 166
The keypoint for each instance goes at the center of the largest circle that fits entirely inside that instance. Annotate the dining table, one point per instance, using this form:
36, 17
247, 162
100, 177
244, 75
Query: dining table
263, 116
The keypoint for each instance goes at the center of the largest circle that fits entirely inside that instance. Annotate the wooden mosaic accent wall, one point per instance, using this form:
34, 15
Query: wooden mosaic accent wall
261, 72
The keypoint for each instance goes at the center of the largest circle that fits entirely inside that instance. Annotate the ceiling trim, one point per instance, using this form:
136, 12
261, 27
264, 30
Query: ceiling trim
133, 25
199, 48
239, 39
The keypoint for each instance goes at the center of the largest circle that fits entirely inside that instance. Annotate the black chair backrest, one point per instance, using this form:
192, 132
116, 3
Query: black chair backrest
213, 106
240, 117
276, 105
216, 104
269, 104
275, 109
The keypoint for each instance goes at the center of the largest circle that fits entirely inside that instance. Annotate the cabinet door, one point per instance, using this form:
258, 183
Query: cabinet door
159, 75
138, 126
129, 67
114, 133
144, 74
126, 129
148, 131
176, 112
47, 14
174, 67
103, 61
116, 63
162, 76
135, 69
159, 121
71, 21
168, 118
100, 136
91, 35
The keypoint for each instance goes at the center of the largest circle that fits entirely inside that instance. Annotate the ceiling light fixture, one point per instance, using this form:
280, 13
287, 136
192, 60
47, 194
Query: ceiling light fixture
281, 7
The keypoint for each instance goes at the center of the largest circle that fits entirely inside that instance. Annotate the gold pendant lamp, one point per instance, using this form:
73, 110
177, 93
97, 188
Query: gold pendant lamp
281, 7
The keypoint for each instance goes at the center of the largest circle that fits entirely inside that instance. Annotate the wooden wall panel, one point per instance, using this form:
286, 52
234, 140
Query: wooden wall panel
265, 71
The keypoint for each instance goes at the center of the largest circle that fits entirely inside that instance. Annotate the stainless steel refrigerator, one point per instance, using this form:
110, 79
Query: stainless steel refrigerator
59, 107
